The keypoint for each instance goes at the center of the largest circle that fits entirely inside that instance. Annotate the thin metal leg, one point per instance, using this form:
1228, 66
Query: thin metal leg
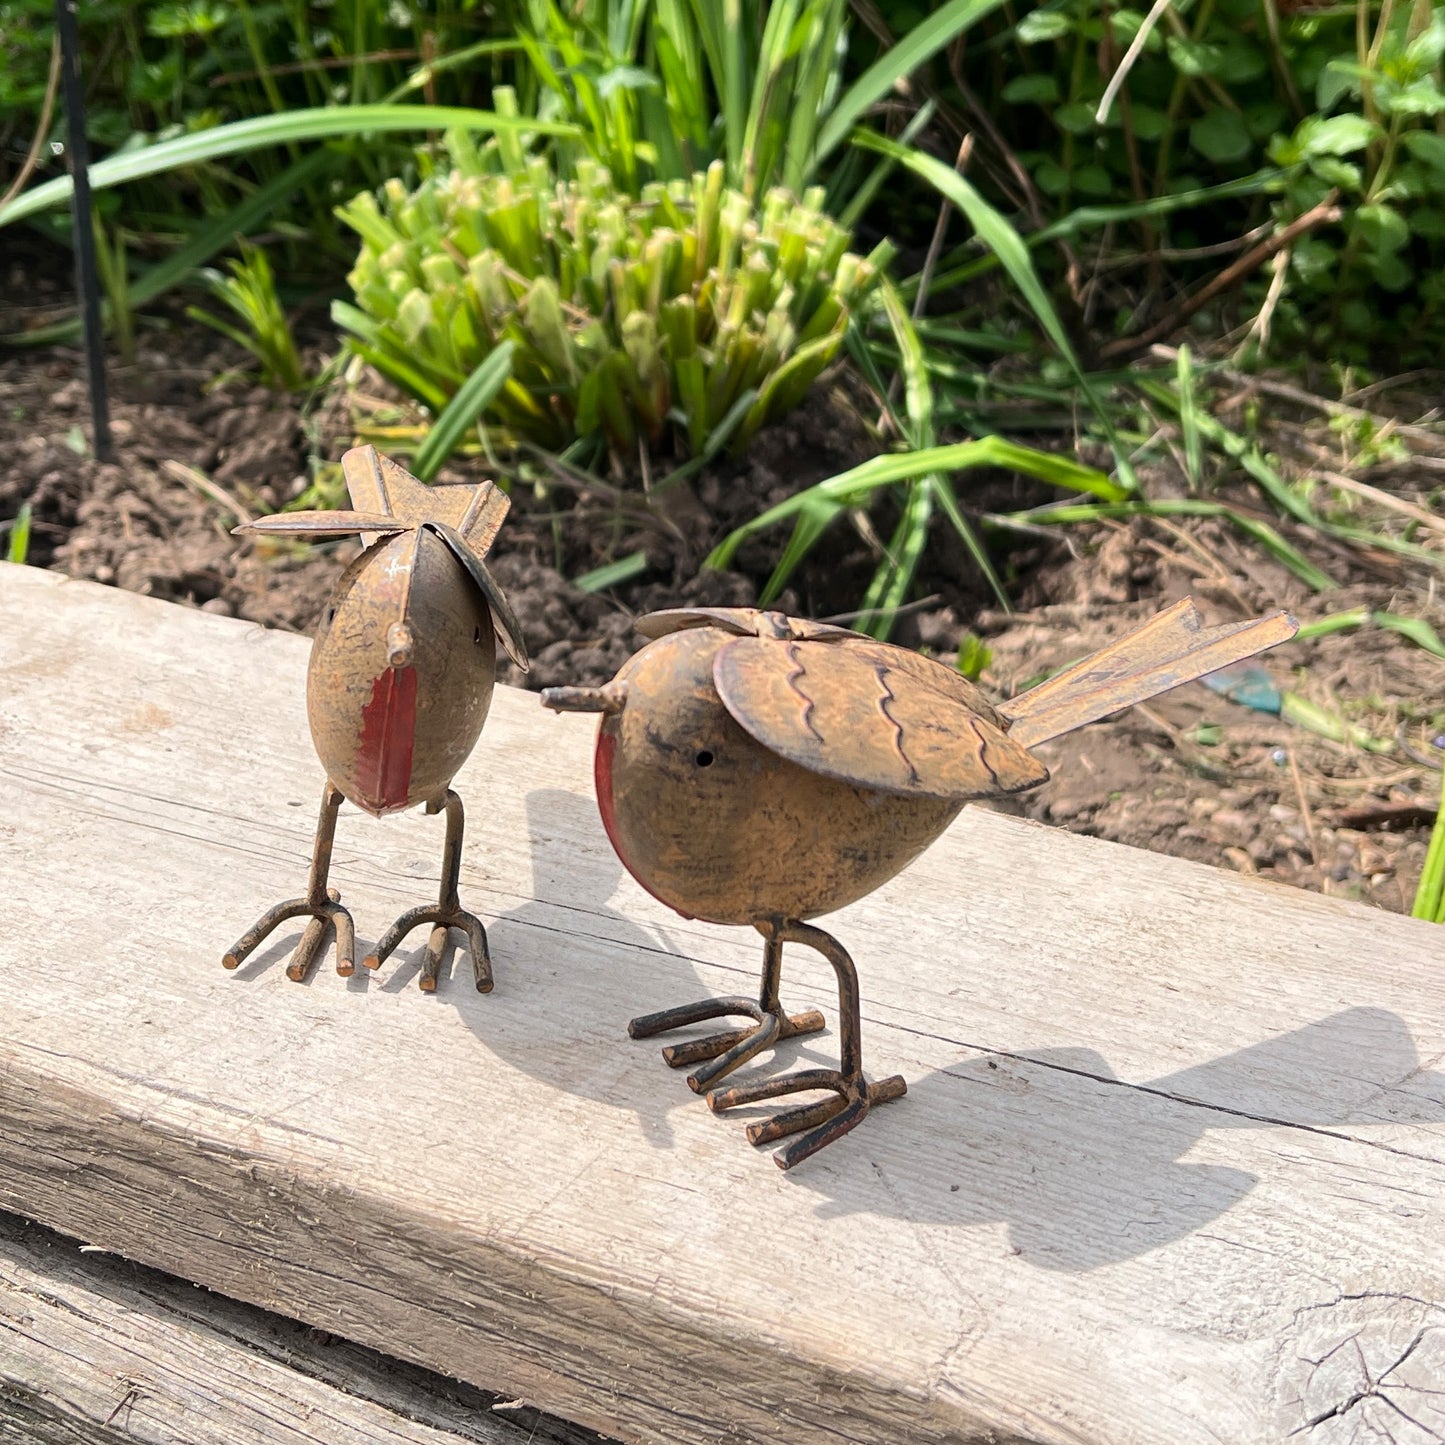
323, 904
721, 1053
446, 913
853, 1095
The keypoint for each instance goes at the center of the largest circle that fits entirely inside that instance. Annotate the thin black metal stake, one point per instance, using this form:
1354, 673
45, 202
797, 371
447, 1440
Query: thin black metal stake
87, 275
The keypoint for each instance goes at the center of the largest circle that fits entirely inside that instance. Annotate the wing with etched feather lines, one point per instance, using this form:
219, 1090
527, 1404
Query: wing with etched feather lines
868, 713
742, 621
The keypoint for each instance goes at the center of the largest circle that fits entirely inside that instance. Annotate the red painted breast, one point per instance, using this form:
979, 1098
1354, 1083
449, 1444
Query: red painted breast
388, 734
602, 762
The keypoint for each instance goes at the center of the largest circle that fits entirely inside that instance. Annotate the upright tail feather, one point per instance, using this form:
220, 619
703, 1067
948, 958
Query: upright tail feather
1166, 651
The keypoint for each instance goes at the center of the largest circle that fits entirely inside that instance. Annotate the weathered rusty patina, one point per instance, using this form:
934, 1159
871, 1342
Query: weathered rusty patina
758, 769
399, 685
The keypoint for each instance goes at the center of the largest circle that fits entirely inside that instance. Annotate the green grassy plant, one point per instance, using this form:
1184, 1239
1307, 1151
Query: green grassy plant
250, 294
659, 89
1429, 902
17, 547
638, 320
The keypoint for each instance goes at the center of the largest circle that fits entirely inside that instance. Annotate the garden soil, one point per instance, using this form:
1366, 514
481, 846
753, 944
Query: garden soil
1191, 774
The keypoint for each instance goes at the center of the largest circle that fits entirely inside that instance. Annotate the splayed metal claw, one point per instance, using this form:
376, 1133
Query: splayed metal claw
321, 902
446, 913
826, 1119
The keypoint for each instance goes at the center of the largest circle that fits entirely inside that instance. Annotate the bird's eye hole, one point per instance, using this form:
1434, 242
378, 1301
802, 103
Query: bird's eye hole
330, 616
476, 634
704, 759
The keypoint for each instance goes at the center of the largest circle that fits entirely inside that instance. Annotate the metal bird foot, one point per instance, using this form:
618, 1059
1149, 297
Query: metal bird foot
447, 912
321, 902
826, 1120
725, 1051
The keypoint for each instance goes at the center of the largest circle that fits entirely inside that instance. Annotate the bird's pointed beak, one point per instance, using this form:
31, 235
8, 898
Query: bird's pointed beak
399, 645
609, 698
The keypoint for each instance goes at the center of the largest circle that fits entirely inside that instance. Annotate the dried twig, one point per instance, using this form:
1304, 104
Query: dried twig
1325, 213
1285, 392
201, 484
42, 127
1141, 37
1306, 815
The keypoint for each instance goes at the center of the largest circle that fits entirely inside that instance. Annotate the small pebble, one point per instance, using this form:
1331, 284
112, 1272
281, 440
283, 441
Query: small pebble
220, 606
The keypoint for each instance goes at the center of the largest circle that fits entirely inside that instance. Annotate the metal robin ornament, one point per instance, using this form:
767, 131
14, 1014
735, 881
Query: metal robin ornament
399, 684
753, 768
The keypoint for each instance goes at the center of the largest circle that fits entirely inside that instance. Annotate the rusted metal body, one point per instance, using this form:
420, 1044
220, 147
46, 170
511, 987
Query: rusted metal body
399, 685
753, 768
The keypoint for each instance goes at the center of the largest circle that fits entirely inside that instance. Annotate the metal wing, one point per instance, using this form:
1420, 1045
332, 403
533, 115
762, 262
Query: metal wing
742, 621
379, 485
318, 525
504, 623
866, 714
1169, 649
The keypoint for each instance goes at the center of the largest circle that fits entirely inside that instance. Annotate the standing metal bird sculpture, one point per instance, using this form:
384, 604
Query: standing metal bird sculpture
753, 768
399, 684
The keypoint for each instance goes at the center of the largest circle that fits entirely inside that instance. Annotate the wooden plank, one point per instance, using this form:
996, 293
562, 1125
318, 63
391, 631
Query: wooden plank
97, 1349
1171, 1166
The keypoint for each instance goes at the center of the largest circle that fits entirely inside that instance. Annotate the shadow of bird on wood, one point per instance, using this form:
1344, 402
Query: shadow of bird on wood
1087, 1169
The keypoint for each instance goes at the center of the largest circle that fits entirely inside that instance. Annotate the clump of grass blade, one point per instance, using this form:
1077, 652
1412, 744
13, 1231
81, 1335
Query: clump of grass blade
250, 292
641, 320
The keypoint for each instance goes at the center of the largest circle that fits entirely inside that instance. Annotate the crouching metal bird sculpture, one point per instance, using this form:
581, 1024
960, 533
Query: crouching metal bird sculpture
399, 684
753, 768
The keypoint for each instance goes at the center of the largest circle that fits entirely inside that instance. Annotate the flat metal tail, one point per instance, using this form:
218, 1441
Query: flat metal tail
1166, 651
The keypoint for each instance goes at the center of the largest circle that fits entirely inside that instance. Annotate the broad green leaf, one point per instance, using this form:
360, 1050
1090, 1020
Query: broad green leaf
1335, 135
1093, 180
1077, 118
1193, 57
1149, 122
1338, 79
1382, 228
1420, 98
1040, 89
1427, 146
1427, 49
1240, 61
1041, 25
1221, 136
1344, 174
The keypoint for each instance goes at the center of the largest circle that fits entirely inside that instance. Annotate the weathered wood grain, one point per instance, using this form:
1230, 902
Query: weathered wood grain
1171, 1167
98, 1349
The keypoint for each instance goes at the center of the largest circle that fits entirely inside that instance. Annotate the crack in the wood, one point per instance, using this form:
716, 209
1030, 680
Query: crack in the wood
1158, 1093
1375, 1384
